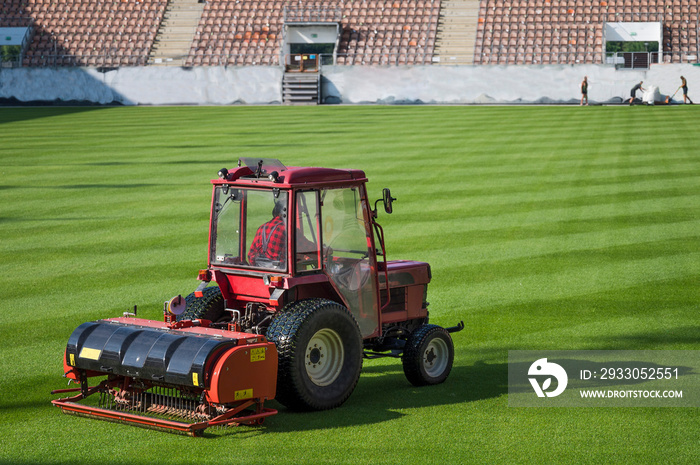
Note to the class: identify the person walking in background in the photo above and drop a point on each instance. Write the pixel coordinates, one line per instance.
(684, 86)
(584, 90)
(633, 92)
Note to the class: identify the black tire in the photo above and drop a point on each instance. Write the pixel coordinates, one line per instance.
(428, 355)
(320, 354)
(208, 307)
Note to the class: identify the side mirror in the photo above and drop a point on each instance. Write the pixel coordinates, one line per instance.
(388, 200)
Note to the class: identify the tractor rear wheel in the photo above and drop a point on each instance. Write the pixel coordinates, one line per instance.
(428, 355)
(320, 354)
(208, 307)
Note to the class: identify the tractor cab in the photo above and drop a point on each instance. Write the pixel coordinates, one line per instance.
(292, 233)
(252, 226)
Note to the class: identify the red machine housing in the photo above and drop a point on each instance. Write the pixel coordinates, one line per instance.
(228, 371)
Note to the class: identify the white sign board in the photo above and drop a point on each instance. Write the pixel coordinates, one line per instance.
(633, 32)
(12, 35)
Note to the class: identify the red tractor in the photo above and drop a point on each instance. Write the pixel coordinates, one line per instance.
(304, 292)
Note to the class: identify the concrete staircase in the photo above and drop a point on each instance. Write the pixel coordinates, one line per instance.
(177, 31)
(456, 34)
(301, 88)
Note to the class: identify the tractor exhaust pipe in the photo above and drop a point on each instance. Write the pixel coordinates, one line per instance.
(456, 329)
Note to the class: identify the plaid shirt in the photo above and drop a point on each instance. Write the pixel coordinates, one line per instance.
(269, 242)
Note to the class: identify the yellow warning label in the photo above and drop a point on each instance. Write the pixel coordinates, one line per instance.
(90, 354)
(195, 379)
(72, 360)
(244, 394)
(257, 355)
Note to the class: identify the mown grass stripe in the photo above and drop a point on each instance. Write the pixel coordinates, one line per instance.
(456, 221)
(493, 251)
(574, 281)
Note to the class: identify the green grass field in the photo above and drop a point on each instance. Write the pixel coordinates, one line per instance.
(546, 227)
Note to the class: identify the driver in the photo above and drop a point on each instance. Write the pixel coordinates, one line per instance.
(269, 246)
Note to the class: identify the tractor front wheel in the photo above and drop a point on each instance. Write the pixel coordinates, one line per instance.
(208, 307)
(320, 354)
(428, 355)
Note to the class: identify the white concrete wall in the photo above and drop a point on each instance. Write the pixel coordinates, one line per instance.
(341, 84)
(151, 85)
(497, 84)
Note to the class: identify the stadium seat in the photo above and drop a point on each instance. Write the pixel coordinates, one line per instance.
(64, 29)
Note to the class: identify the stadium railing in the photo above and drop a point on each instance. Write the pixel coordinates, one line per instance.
(643, 60)
(313, 13)
(621, 60)
(99, 60)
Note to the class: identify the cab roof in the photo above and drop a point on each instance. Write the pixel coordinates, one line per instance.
(269, 172)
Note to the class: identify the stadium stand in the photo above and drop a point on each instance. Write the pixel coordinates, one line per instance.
(248, 32)
(111, 33)
(567, 31)
(105, 33)
(231, 32)
(389, 32)
(238, 33)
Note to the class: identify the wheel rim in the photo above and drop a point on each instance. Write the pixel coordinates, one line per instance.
(324, 357)
(435, 357)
